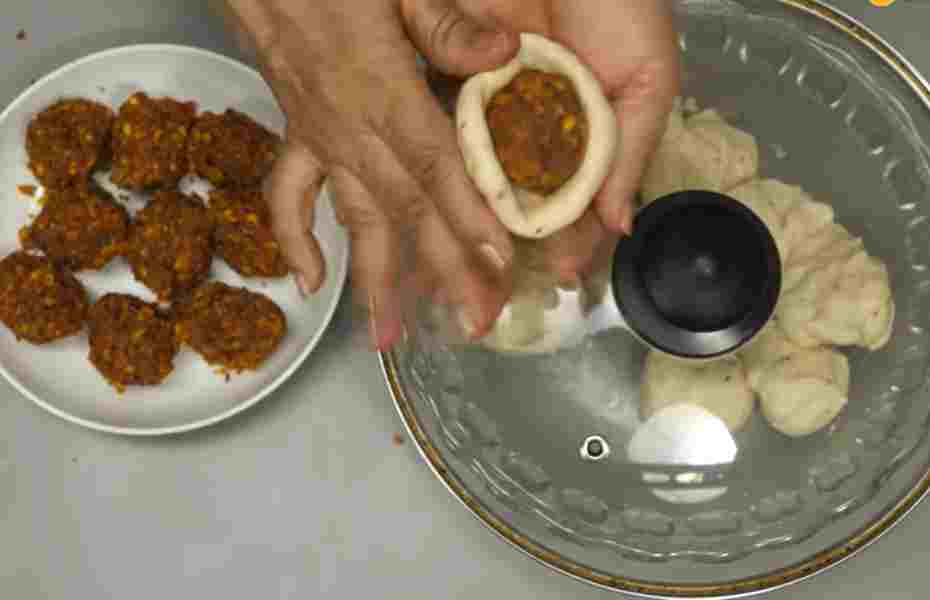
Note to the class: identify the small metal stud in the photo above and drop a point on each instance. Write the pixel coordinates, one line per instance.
(594, 448)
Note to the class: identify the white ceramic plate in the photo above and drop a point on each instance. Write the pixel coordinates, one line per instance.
(58, 376)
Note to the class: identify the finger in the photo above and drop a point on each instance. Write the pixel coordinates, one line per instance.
(421, 281)
(571, 252)
(405, 205)
(427, 148)
(454, 42)
(604, 254)
(291, 190)
(476, 295)
(374, 257)
(641, 108)
(425, 283)
(520, 15)
(253, 24)
(232, 19)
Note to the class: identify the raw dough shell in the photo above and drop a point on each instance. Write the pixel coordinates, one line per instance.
(525, 213)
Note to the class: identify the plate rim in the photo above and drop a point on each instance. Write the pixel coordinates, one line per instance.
(756, 585)
(341, 273)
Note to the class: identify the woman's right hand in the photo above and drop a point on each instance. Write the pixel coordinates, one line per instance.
(360, 113)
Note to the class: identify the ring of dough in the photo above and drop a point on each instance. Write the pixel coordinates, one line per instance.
(566, 204)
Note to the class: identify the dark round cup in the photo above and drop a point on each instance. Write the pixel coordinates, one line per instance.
(699, 277)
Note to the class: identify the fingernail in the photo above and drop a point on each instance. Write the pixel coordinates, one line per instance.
(620, 224)
(494, 257)
(465, 322)
(627, 226)
(302, 285)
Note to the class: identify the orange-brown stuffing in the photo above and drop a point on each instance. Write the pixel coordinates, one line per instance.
(67, 140)
(539, 130)
(243, 233)
(170, 244)
(231, 149)
(231, 328)
(131, 341)
(78, 228)
(150, 141)
(40, 301)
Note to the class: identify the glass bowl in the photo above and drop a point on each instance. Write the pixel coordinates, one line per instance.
(535, 445)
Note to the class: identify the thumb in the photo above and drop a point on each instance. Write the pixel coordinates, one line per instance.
(290, 191)
(642, 111)
(454, 42)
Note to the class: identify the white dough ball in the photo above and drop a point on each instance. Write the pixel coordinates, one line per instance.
(842, 302)
(768, 347)
(735, 151)
(805, 218)
(804, 392)
(768, 215)
(780, 196)
(701, 152)
(773, 200)
(719, 387)
(828, 244)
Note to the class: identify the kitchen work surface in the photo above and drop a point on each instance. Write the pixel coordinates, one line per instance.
(314, 493)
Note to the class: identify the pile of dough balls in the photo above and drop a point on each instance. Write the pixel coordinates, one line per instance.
(834, 294)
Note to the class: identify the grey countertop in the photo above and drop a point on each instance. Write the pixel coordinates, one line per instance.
(308, 495)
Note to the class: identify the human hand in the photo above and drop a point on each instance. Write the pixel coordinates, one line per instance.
(631, 47)
(360, 113)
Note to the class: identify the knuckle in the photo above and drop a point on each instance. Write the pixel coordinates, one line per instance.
(278, 63)
(275, 57)
(571, 265)
(400, 205)
(408, 209)
(291, 239)
(266, 36)
(427, 166)
(358, 219)
(404, 203)
(443, 32)
(379, 123)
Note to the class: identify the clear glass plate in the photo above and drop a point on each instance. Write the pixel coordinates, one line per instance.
(836, 111)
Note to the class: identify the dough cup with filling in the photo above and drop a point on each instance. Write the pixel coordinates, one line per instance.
(524, 212)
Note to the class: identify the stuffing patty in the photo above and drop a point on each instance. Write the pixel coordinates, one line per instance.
(78, 228)
(170, 244)
(131, 341)
(231, 149)
(539, 130)
(150, 142)
(40, 301)
(243, 234)
(232, 328)
(67, 140)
